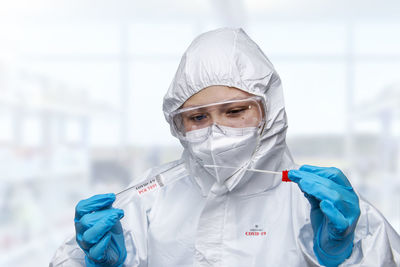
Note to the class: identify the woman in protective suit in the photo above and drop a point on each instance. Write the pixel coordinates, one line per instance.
(210, 208)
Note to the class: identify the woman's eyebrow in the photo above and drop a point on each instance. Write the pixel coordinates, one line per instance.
(201, 109)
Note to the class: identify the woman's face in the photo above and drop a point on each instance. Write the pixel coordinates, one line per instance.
(238, 115)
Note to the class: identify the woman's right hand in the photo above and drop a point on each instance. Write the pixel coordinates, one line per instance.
(99, 232)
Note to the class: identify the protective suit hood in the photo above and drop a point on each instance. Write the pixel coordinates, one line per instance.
(229, 57)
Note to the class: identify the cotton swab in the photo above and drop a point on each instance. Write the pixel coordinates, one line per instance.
(285, 177)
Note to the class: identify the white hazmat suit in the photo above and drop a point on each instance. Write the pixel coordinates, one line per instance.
(178, 215)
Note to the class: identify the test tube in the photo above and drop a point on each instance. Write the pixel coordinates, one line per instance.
(284, 173)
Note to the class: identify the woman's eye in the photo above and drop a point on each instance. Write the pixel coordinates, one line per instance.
(236, 111)
(197, 118)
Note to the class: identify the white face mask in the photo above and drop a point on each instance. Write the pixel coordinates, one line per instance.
(224, 146)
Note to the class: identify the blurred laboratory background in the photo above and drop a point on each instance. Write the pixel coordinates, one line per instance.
(81, 87)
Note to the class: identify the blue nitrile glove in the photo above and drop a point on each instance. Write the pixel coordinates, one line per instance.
(99, 231)
(334, 211)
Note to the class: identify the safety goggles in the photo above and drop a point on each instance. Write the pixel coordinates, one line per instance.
(237, 113)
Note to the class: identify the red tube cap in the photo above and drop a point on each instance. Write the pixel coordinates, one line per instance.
(285, 176)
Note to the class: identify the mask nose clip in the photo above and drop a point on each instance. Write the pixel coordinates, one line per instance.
(217, 126)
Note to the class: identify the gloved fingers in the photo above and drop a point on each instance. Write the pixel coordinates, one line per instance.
(102, 226)
(302, 176)
(318, 187)
(97, 252)
(331, 173)
(94, 203)
(344, 198)
(313, 201)
(337, 222)
(90, 220)
(311, 168)
(296, 176)
(117, 229)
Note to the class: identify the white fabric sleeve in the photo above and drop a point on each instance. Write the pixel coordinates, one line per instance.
(376, 243)
(135, 227)
(68, 254)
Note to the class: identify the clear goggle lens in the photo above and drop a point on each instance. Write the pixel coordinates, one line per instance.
(238, 113)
